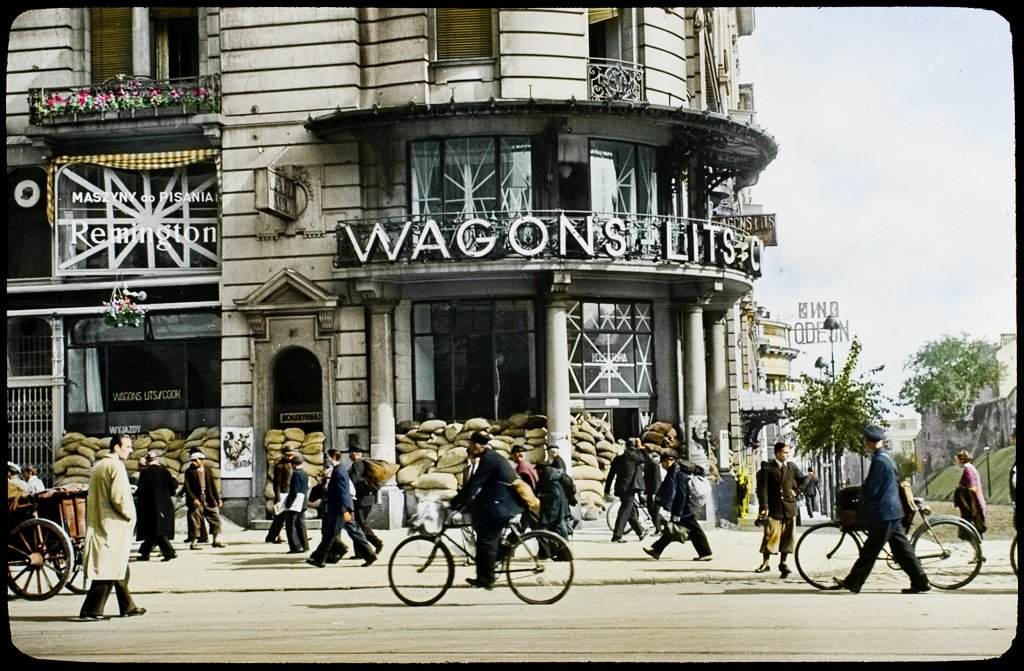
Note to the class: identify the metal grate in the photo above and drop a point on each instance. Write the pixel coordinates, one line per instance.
(30, 428)
(29, 347)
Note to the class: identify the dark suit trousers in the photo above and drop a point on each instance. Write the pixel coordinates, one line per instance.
(99, 591)
(161, 542)
(488, 538)
(627, 513)
(697, 537)
(361, 513)
(275, 527)
(295, 528)
(880, 533)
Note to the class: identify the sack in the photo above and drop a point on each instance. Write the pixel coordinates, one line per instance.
(848, 504)
(907, 502)
(379, 471)
(675, 531)
(698, 490)
(525, 493)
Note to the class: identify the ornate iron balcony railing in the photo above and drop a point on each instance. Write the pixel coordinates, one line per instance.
(612, 79)
(126, 97)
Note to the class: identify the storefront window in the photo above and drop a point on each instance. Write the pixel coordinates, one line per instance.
(133, 379)
(623, 178)
(29, 347)
(474, 359)
(471, 176)
(610, 349)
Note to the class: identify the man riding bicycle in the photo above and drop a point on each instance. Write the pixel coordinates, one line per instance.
(491, 502)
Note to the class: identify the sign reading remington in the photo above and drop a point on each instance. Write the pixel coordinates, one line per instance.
(554, 235)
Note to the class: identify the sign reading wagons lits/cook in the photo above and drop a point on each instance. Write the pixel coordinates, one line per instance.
(549, 235)
(812, 327)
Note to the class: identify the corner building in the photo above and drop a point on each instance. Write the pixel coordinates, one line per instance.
(418, 212)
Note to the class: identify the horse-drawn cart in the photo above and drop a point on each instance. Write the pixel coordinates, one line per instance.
(44, 542)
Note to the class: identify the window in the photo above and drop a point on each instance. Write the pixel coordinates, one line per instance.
(172, 33)
(474, 359)
(623, 178)
(610, 349)
(604, 32)
(29, 347)
(471, 176)
(463, 33)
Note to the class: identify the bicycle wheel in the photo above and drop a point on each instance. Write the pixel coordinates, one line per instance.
(77, 583)
(612, 513)
(539, 567)
(39, 559)
(826, 553)
(1013, 555)
(949, 552)
(421, 570)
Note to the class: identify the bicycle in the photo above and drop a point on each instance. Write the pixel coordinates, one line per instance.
(643, 514)
(949, 549)
(538, 565)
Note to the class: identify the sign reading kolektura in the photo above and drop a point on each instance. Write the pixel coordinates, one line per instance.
(666, 239)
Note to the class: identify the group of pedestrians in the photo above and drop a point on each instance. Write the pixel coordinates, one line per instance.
(348, 498)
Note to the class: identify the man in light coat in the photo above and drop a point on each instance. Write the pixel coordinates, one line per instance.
(109, 523)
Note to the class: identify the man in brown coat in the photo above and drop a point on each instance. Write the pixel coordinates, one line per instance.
(202, 498)
(778, 487)
(109, 523)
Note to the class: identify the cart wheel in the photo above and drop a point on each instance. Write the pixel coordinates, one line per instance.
(39, 559)
(77, 582)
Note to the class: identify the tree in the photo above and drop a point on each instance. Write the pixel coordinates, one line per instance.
(948, 375)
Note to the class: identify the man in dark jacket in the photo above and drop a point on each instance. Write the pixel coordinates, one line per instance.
(366, 494)
(652, 482)
(281, 482)
(155, 508)
(294, 508)
(626, 479)
(674, 497)
(491, 502)
(881, 510)
(777, 491)
(338, 514)
(202, 498)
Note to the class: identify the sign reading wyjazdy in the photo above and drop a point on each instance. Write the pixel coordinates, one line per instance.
(555, 235)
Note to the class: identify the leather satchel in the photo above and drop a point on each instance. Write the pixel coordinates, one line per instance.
(675, 531)
(526, 495)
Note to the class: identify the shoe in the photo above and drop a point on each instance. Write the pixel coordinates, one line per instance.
(763, 568)
(194, 546)
(377, 544)
(273, 540)
(370, 560)
(296, 552)
(916, 590)
(652, 553)
(474, 582)
(170, 557)
(704, 558)
(218, 544)
(141, 558)
(318, 564)
(784, 572)
(93, 616)
(134, 612)
(642, 535)
(842, 584)
(618, 540)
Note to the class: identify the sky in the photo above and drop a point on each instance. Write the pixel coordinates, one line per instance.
(894, 185)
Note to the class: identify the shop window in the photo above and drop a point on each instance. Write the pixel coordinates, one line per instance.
(611, 349)
(623, 178)
(463, 33)
(29, 347)
(173, 35)
(474, 359)
(471, 176)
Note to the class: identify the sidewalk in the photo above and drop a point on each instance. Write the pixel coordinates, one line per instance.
(250, 564)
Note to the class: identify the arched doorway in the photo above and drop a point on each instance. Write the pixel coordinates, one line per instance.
(298, 391)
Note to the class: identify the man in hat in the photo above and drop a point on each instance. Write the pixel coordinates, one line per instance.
(281, 482)
(554, 459)
(338, 514)
(491, 503)
(673, 496)
(881, 510)
(155, 497)
(626, 480)
(202, 498)
(366, 493)
(524, 468)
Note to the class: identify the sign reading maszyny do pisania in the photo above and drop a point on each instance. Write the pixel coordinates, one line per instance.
(668, 239)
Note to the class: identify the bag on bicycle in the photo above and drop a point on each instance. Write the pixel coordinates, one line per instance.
(525, 494)
(848, 505)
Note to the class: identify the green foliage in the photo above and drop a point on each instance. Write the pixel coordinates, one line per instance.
(943, 482)
(948, 374)
(907, 463)
(836, 411)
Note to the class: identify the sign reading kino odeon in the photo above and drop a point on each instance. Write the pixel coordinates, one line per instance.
(551, 235)
(109, 219)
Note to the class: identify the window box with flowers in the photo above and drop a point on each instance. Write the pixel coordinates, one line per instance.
(121, 310)
(126, 97)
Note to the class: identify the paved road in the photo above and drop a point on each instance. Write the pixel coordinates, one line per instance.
(261, 601)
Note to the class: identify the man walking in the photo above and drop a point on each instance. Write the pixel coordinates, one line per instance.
(109, 522)
(777, 492)
(281, 482)
(881, 510)
(366, 494)
(294, 508)
(338, 514)
(155, 495)
(811, 492)
(491, 502)
(626, 479)
(674, 497)
(202, 498)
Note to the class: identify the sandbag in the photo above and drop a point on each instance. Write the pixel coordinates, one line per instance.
(407, 474)
(452, 457)
(435, 480)
(432, 425)
(406, 458)
(71, 437)
(586, 472)
(293, 433)
(476, 424)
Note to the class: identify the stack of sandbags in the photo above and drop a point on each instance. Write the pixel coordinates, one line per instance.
(593, 448)
(78, 453)
(75, 458)
(660, 436)
(309, 445)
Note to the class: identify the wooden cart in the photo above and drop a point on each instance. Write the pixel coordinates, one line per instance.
(44, 542)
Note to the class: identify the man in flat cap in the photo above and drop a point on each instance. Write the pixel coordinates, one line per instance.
(202, 498)
(524, 468)
(366, 493)
(881, 510)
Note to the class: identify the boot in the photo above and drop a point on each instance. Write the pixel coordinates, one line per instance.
(215, 543)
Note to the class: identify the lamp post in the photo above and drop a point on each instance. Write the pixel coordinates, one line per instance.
(832, 325)
(988, 471)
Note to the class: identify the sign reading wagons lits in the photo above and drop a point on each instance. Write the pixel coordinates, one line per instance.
(549, 235)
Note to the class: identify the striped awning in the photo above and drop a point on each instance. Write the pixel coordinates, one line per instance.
(144, 161)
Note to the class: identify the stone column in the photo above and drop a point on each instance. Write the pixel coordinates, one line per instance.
(557, 368)
(695, 370)
(718, 385)
(382, 402)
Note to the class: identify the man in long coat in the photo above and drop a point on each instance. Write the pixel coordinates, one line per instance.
(202, 498)
(155, 497)
(626, 479)
(109, 523)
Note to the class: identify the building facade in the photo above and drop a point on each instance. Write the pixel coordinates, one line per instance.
(347, 217)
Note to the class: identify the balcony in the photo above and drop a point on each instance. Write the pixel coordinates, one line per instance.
(616, 80)
(125, 97)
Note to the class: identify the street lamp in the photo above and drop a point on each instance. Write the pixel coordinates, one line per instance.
(832, 325)
(988, 471)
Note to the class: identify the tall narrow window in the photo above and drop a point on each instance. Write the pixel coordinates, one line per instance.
(624, 178)
(111, 38)
(463, 33)
(175, 42)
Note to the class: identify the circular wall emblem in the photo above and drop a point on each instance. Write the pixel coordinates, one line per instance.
(26, 193)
